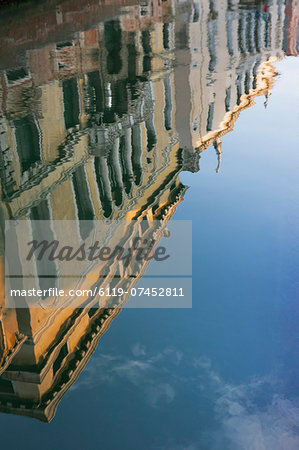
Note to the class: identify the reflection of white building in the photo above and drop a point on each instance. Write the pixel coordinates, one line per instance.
(228, 42)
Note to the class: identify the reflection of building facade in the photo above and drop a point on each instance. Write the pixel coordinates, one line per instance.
(92, 127)
(228, 43)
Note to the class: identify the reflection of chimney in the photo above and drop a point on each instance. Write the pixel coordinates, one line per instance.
(217, 146)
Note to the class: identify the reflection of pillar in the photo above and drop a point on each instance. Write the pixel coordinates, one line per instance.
(217, 147)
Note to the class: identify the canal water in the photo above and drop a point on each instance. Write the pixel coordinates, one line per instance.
(173, 111)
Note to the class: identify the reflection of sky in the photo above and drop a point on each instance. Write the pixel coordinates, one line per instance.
(223, 375)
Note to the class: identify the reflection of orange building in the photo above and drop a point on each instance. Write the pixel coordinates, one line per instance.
(90, 158)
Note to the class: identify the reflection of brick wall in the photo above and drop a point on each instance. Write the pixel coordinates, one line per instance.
(53, 25)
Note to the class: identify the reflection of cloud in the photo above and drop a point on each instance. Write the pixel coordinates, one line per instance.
(143, 370)
(157, 393)
(252, 416)
(138, 350)
(274, 427)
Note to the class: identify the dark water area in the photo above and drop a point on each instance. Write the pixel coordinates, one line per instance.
(166, 111)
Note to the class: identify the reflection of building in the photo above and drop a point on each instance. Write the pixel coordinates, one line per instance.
(74, 151)
(99, 125)
(229, 44)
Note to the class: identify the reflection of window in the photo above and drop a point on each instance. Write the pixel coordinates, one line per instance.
(28, 142)
(196, 12)
(96, 91)
(83, 201)
(168, 103)
(71, 102)
(63, 44)
(229, 32)
(166, 36)
(228, 98)
(212, 36)
(146, 45)
(58, 361)
(239, 91)
(247, 83)
(84, 205)
(16, 75)
(210, 117)
(112, 35)
(6, 386)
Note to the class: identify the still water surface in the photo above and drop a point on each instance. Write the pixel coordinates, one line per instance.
(112, 114)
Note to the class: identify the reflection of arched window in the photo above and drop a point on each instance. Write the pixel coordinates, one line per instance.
(27, 142)
(112, 35)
